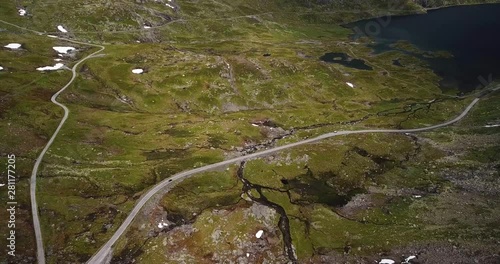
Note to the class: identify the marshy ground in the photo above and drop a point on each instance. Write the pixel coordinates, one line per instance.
(222, 79)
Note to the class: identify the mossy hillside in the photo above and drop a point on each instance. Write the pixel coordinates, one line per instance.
(294, 211)
(122, 145)
(218, 236)
(215, 227)
(486, 113)
(24, 240)
(28, 119)
(110, 145)
(212, 96)
(27, 91)
(343, 156)
(396, 222)
(147, 140)
(218, 189)
(95, 16)
(122, 15)
(191, 133)
(394, 219)
(329, 231)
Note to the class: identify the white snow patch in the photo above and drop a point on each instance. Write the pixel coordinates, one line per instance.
(63, 50)
(255, 125)
(50, 68)
(497, 125)
(407, 260)
(51, 36)
(62, 29)
(13, 46)
(147, 27)
(387, 261)
(137, 71)
(170, 6)
(417, 196)
(57, 59)
(259, 233)
(2, 184)
(162, 224)
(350, 84)
(1, 68)
(22, 12)
(248, 255)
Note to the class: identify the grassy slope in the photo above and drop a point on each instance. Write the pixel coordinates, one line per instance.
(128, 131)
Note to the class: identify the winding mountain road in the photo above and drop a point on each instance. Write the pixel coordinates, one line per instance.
(104, 254)
(34, 207)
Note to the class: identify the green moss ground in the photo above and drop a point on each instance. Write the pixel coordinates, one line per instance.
(127, 132)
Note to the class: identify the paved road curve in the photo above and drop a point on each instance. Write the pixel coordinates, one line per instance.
(40, 252)
(104, 254)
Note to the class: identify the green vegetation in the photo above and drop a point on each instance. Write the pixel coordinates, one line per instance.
(206, 82)
(216, 189)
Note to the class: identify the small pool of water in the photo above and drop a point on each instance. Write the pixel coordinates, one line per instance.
(345, 60)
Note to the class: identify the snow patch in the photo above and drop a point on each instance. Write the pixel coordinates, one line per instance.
(13, 46)
(259, 234)
(57, 59)
(51, 68)
(22, 12)
(162, 224)
(51, 36)
(147, 27)
(1, 68)
(387, 261)
(170, 6)
(497, 125)
(62, 29)
(138, 71)
(63, 50)
(248, 255)
(350, 84)
(407, 260)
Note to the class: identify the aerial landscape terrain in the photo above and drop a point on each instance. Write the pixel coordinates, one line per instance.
(238, 131)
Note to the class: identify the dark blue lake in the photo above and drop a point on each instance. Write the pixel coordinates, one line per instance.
(470, 33)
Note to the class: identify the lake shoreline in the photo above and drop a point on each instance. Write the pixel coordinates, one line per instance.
(473, 63)
(456, 5)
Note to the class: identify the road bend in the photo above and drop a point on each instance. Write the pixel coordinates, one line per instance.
(40, 252)
(104, 254)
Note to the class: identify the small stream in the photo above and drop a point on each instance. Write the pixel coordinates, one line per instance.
(284, 221)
